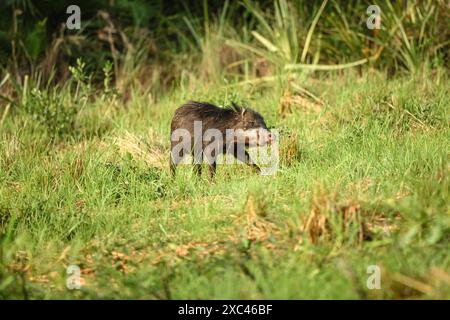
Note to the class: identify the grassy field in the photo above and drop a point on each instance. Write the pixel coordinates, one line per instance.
(363, 180)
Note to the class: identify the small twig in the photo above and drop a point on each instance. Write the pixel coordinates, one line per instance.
(308, 93)
(413, 283)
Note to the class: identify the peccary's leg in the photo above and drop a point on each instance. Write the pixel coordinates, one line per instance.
(197, 158)
(198, 169)
(175, 158)
(212, 169)
(173, 166)
(211, 159)
(243, 156)
(198, 166)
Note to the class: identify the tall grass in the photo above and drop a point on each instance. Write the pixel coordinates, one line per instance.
(214, 41)
(363, 180)
(363, 177)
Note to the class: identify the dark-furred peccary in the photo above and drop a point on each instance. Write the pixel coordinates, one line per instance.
(205, 130)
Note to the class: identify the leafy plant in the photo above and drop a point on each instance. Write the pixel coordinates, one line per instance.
(109, 91)
(50, 111)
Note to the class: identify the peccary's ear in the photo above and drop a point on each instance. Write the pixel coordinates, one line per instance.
(243, 111)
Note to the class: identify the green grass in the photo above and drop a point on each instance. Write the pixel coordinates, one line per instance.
(369, 169)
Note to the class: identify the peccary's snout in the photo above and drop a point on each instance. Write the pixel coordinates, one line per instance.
(259, 137)
(265, 137)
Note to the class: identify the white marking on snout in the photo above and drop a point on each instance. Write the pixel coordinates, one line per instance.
(258, 137)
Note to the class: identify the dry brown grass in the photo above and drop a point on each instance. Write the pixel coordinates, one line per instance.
(254, 222)
(150, 150)
(434, 284)
(289, 149)
(296, 97)
(328, 218)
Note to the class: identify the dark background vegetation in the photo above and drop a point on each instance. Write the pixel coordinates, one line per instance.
(168, 33)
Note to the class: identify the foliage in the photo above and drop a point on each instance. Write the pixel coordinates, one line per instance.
(84, 142)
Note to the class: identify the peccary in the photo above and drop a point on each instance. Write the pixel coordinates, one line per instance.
(205, 130)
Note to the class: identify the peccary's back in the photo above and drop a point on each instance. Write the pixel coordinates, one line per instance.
(209, 115)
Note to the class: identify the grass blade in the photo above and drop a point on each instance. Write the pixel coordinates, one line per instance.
(311, 31)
